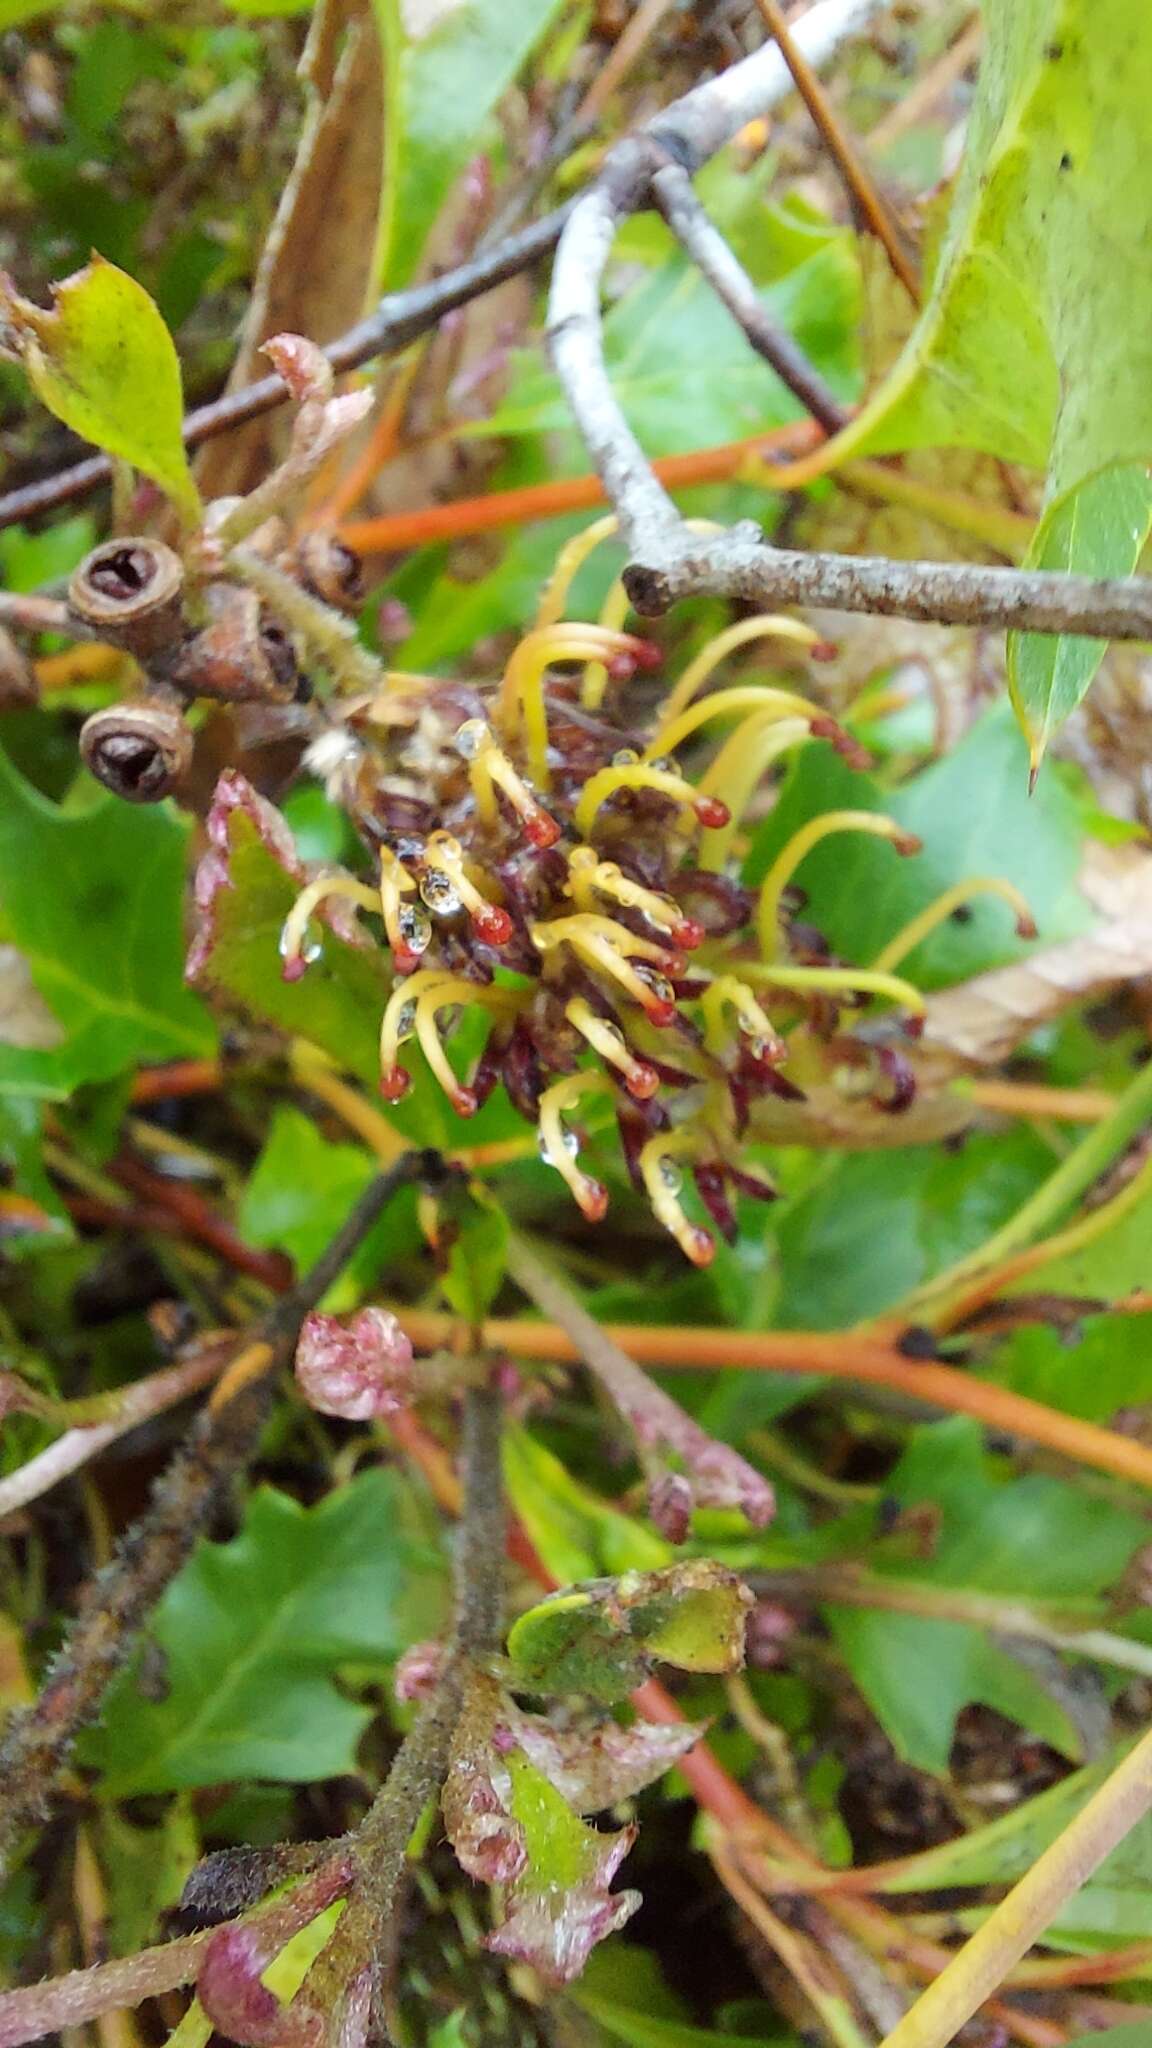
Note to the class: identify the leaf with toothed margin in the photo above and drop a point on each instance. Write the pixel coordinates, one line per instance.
(336, 1004)
(102, 359)
(603, 1637)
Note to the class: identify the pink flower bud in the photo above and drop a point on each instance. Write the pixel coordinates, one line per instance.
(418, 1671)
(357, 1370)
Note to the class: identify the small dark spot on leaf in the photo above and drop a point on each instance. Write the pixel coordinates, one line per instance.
(1053, 52)
(1066, 161)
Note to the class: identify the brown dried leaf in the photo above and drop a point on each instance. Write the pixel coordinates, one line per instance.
(983, 1020)
(315, 273)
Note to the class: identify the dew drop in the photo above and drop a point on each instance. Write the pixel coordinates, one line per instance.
(470, 737)
(671, 1178)
(571, 1147)
(626, 757)
(415, 929)
(439, 893)
(406, 1023)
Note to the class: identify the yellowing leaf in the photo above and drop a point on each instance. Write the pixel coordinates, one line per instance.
(103, 361)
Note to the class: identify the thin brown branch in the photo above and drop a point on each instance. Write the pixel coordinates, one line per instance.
(854, 172)
(673, 193)
(38, 1740)
(398, 320)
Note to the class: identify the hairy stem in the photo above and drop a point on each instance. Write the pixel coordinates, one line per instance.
(38, 1740)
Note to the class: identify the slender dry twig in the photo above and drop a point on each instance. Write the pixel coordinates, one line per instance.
(65, 2002)
(1031, 1906)
(670, 561)
(398, 320)
(674, 195)
(39, 1739)
(859, 182)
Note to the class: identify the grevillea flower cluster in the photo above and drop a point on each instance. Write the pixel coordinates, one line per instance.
(559, 850)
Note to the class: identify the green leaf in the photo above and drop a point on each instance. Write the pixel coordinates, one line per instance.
(477, 1262)
(300, 1191)
(975, 818)
(252, 1633)
(1032, 1538)
(576, 1533)
(442, 82)
(1034, 341)
(1133, 2036)
(93, 899)
(1108, 1367)
(601, 1638)
(640, 2030)
(658, 334)
(338, 1003)
(1096, 529)
(1033, 344)
(103, 361)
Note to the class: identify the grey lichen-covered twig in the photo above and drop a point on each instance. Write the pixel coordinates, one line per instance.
(669, 560)
(38, 1739)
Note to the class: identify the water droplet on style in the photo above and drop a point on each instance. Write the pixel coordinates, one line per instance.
(671, 1178)
(470, 737)
(405, 1023)
(571, 1147)
(415, 929)
(627, 757)
(439, 893)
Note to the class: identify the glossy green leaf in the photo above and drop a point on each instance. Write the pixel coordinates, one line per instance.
(93, 900)
(448, 63)
(640, 2030)
(1107, 1367)
(252, 1633)
(1096, 529)
(103, 361)
(603, 1637)
(974, 816)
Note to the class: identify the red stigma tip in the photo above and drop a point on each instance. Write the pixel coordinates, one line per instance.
(464, 1102)
(823, 650)
(659, 1012)
(541, 830)
(689, 934)
(701, 1247)
(1026, 928)
(913, 1027)
(395, 1085)
(294, 968)
(712, 813)
(594, 1200)
(674, 965)
(621, 667)
(647, 655)
(642, 1081)
(404, 960)
(907, 842)
(493, 926)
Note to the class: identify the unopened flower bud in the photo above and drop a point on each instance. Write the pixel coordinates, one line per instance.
(358, 1370)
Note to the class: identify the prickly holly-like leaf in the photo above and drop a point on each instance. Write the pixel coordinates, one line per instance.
(252, 1633)
(245, 887)
(93, 901)
(596, 1763)
(103, 361)
(1034, 342)
(447, 66)
(602, 1638)
(509, 1825)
